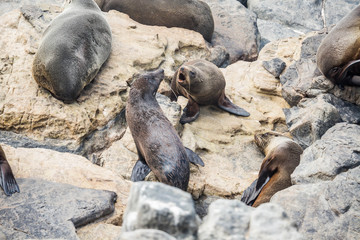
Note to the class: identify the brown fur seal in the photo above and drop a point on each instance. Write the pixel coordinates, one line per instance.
(282, 156)
(7, 179)
(338, 56)
(73, 48)
(202, 83)
(190, 14)
(159, 147)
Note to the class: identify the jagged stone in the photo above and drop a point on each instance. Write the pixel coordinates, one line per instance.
(274, 66)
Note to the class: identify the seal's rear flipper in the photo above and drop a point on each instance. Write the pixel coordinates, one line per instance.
(193, 157)
(7, 180)
(349, 74)
(225, 104)
(191, 112)
(140, 171)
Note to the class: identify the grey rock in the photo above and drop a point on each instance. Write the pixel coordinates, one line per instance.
(153, 205)
(337, 151)
(172, 110)
(326, 210)
(51, 210)
(9, 5)
(274, 66)
(146, 234)
(202, 204)
(219, 56)
(235, 29)
(243, 2)
(233, 220)
(335, 10)
(311, 119)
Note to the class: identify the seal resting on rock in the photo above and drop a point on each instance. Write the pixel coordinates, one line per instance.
(338, 56)
(158, 145)
(202, 83)
(72, 50)
(7, 179)
(190, 14)
(282, 156)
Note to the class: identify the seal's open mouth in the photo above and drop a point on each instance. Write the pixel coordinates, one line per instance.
(181, 78)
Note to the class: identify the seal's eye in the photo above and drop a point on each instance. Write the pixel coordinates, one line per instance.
(192, 74)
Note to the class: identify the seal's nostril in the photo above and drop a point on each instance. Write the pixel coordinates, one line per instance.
(182, 69)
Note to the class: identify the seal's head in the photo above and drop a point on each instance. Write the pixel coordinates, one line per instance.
(148, 83)
(266, 141)
(189, 78)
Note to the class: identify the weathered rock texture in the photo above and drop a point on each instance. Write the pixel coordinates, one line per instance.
(146, 234)
(235, 29)
(51, 210)
(232, 219)
(162, 207)
(337, 151)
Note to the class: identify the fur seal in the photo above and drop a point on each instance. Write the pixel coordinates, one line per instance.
(190, 14)
(7, 179)
(202, 83)
(158, 145)
(338, 56)
(72, 50)
(282, 156)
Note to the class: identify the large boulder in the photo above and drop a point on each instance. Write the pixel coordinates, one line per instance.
(51, 210)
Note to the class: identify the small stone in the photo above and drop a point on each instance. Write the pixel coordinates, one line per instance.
(146, 234)
(275, 66)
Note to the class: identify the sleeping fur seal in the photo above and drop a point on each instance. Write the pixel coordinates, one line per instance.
(190, 14)
(338, 56)
(282, 157)
(202, 83)
(158, 145)
(72, 50)
(7, 179)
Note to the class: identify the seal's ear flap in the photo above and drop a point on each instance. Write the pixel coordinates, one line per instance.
(225, 104)
(7, 179)
(140, 171)
(193, 157)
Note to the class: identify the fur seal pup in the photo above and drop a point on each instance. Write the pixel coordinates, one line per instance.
(72, 50)
(282, 157)
(338, 56)
(158, 145)
(190, 14)
(7, 179)
(202, 83)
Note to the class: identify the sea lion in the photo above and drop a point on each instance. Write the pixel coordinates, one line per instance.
(190, 14)
(338, 56)
(282, 156)
(158, 145)
(72, 50)
(7, 179)
(202, 83)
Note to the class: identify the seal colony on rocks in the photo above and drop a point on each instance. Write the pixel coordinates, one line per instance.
(158, 145)
(7, 179)
(202, 83)
(282, 156)
(338, 56)
(72, 50)
(190, 14)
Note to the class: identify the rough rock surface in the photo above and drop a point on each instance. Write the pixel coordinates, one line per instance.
(158, 206)
(337, 151)
(145, 234)
(274, 66)
(99, 231)
(235, 29)
(70, 169)
(325, 210)
(232, 219)
(51, 210)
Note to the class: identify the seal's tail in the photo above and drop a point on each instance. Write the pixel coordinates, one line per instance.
(7, 180)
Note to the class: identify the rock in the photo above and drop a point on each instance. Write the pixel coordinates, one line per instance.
(219, 56)
(232, 219)
(53, 210)
(324, 210)
(334, 11)
(146, 234)
(243, 2)
(337, 151)
(98, 231)
(68, 168)
(40, 116)
(311, 119)
(53, 5)
(158, 206)
(202, 204)
(235, 29)
(274, 66)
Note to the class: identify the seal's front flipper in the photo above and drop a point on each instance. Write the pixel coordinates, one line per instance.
(225, 104)
(349, 74)
(193, 157)
(7, 179)
(191, 112)
(140, 171)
